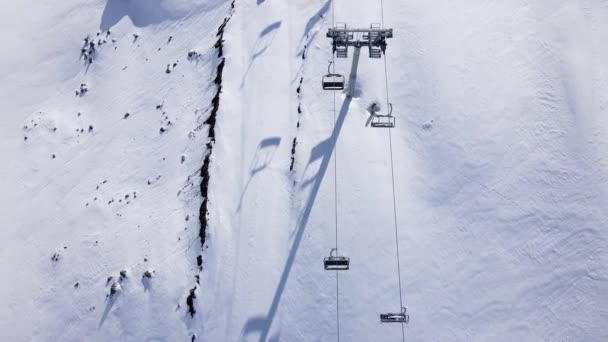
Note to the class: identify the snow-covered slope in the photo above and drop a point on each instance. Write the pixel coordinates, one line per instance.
(104, 190)
(499, 153)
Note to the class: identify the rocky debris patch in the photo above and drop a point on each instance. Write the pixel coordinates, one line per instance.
(190, 302)
(84, 88)
(91, 45)
(171, 66)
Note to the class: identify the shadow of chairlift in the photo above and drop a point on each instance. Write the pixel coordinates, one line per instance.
(335, 262)
(332, 81)
(383, 121)
(402, 317)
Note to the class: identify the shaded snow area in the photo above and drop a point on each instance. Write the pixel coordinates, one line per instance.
(173, 171)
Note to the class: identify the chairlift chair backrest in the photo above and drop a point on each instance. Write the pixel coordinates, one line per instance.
(375, 52)
(402, 317)
(336, 263)
(333, 82)
(383, 121)
(341, 51)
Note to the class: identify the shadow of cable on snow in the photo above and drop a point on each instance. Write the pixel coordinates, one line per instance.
(323, 151)
(262, 158)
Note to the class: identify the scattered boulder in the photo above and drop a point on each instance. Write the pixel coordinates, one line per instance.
(114, 290)
(56, 257)
(428, 126)
(190, 302)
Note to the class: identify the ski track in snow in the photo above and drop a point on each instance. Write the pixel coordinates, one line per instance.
(500, 168)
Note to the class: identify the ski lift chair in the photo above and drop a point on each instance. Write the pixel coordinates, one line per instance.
(340, 42)
(402, 317)
(375, 52)
(384, 121)
(375, 49)
(332, 81)
(341, 51)
(336, 263)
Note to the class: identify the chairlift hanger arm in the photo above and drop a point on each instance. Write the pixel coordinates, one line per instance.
(329, 68)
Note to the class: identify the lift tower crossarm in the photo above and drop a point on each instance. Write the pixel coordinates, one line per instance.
(388, 33)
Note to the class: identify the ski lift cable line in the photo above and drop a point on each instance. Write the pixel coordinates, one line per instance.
(333, 59)
(390, 140)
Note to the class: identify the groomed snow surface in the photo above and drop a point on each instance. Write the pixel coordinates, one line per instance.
(500, 164)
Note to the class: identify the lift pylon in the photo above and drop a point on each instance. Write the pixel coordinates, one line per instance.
(352, 78)
(373, 37)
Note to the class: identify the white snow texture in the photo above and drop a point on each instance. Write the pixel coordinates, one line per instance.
(500, 160)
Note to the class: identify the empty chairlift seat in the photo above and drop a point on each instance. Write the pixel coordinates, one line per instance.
(383, 121)
(336, 263)
(375, 49)
(401, 317)
(332, 81)
(341, 51)
(375, 52)
(341, 40)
